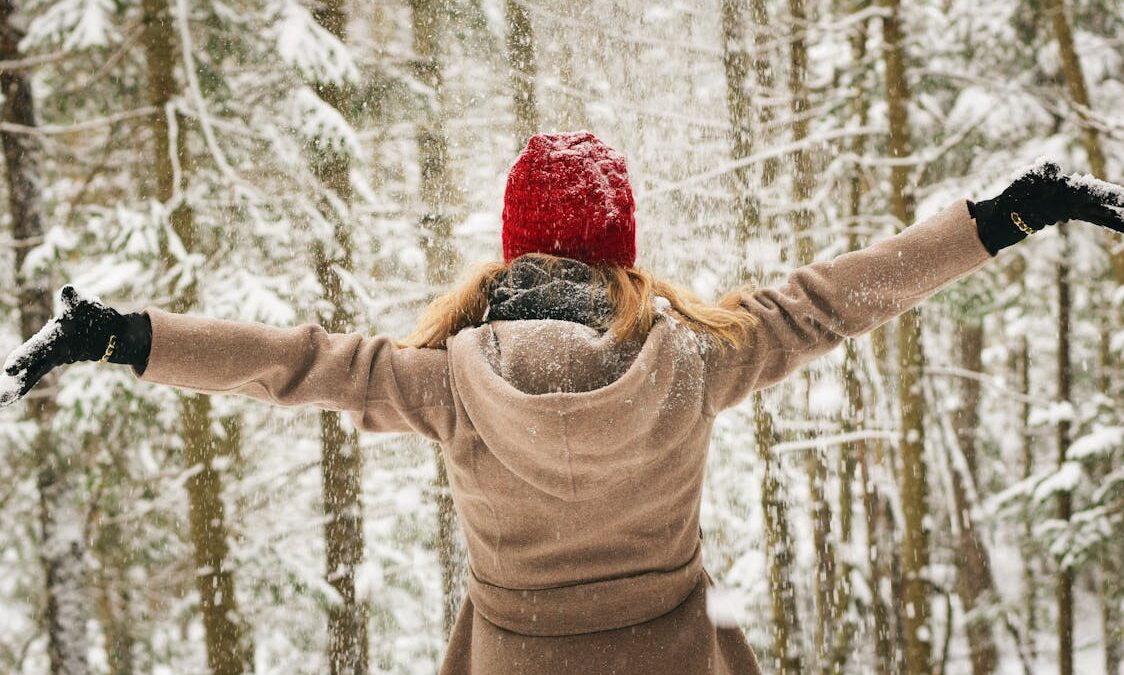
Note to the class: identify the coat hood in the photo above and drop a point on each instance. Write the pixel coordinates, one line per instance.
(565, 408)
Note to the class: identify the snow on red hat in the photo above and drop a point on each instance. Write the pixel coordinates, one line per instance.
(568, 195)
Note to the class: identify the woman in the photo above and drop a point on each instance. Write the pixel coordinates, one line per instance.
(573, 397)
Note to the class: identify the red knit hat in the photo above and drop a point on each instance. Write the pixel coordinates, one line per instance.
(568, 195)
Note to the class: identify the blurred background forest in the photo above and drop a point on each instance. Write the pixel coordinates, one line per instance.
(945, 495)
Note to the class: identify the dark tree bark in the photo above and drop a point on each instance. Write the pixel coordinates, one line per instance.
(974, 582)
(1018, 364)
(827, 591)
(1090, 139)
(228, 650)
(737, 65)
(341, 461)
(1065, 575)
(778, 545)
(114, 592)
(879, 545)
(1112, 616)
(63, 546)
(914, 480)
(1079, 93)
(442, 261)
(779, 548)
(521, 56)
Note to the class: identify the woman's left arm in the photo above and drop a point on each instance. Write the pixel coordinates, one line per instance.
(822, 303)
(825, 302)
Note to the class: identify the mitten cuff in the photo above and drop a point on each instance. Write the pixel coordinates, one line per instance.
(996, 231)
(134, 341)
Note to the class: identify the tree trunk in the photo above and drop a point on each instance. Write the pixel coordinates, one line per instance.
(763, 73)
(1112, 618)
(857, 455)
(1075, 81)
(879, 528)
(341, 465)
(1030, 576)
(437, 189)
(225, 653)
(779, 548)
(1018, 364)
(521, 57)
(63, 545)
(1090, 138)
(227, 649)
(1065, 577)
(914, 480)
(826, 587)
(573, 114)
(1079, 93)
(974, 580)
(341, 462)
(740, 109)
(115, 596)
(442, 261)
(778, 540)
(1111, 557)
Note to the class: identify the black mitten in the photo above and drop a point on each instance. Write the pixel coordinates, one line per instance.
(86, 330)
(1042, 196)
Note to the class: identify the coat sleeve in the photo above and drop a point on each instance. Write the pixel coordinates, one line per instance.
(384, 387)
(822, 303)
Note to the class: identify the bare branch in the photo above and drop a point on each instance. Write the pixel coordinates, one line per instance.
(77, 127)
(29, 62)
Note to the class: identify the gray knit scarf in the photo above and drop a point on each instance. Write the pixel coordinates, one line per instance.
(527, 290)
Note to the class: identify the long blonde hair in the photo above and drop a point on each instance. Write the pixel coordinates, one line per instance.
(631, 293)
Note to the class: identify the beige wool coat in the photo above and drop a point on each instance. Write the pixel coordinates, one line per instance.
(576, 467)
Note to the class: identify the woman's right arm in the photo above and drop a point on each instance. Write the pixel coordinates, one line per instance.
(384, 387)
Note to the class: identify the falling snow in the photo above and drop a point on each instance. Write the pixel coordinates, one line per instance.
(372, 154)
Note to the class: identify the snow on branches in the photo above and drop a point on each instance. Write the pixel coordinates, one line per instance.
(77, 24)
(305, 45)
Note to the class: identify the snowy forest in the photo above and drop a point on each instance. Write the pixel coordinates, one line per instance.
(945, 495)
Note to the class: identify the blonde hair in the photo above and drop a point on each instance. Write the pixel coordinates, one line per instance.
(631, 293)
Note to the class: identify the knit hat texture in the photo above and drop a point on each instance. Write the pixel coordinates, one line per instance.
(568, 195)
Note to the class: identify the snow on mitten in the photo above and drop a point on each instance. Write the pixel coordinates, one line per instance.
(86, 330)
(1041, 196)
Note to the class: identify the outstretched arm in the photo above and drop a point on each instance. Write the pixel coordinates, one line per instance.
(384, 387)
(387, 388)
(825, 302)
(822, 303)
